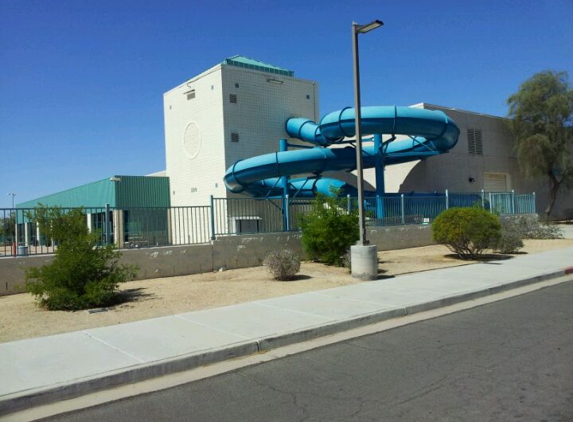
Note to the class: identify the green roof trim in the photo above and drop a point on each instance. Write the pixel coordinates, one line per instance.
(117, 191)
(242, 61)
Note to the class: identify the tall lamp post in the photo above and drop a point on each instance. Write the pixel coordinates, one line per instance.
(363, 256)
(12, 195)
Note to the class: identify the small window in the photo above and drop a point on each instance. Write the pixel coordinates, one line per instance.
(190, 94)
(234, 137)
(307, 97)
(236, 85)
(233, 98)
(475, 142)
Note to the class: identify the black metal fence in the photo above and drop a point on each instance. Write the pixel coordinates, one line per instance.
(145, 227)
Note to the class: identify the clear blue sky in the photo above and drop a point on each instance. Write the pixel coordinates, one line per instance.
(81, 82)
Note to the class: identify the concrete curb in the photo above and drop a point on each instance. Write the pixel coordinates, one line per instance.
(42, 396)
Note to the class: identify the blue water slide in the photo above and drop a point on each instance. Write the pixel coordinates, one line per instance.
(429, 133)
(302, 187)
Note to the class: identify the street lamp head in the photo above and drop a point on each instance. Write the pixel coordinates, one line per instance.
(363, 29)
(12, 195)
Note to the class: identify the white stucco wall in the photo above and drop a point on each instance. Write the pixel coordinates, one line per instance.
(194, 140)
(262, 109)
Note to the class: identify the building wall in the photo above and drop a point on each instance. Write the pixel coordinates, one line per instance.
(262, 109)
(462, 171)
(194, 139)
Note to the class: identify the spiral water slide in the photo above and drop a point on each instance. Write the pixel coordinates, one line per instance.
(426, 133)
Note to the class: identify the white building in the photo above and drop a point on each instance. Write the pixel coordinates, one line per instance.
(232, 111)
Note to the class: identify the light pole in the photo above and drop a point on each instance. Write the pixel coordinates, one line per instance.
(360, 29)
(13, 195)
(363, 257)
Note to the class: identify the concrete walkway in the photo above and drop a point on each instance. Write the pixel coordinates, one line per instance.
(48, 369)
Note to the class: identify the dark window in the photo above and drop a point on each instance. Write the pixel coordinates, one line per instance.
(234, 137)
(233, 98)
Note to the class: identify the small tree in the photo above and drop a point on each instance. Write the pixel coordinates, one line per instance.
(467, 231)
(82, 274)
(7, 227)
(542, 122)
(329, 230)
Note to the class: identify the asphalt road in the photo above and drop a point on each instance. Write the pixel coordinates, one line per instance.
(507, 361)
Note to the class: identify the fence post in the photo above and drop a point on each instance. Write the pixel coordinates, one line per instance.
(534, 204)
(212, 217)
(107, 227)
(15, 236)
(402, 208)
(348, 205)
(483, 199)
(447, 200)
(287, 214)
(513, 201)
(491, 207)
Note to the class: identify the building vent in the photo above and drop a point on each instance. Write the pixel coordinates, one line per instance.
(234, 137)
(495, 182)
(190, 94)
(475, 142)
(233, 98)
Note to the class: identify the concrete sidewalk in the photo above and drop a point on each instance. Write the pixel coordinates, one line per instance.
(48, 369)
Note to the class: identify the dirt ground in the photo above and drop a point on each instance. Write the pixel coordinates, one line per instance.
(20, 318)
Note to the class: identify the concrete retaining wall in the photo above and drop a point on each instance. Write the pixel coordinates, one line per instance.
(227, 252)
(400, 237)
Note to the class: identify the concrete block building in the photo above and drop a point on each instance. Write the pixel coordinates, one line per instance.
(235, 110)
(483, 159)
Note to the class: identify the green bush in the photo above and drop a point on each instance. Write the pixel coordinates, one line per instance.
(329, 230)
(282, 265)
(82, 274)
(467, 231)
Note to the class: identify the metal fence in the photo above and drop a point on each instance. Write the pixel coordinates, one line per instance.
(21, 235)
(146, 227)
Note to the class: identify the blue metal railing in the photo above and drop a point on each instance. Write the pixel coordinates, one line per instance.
(146, 227)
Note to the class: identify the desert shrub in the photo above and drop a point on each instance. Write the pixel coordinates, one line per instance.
(282, 265)
(529, 227)
(510, 241)
(534, 229)
(467, 231)
(82, 274)
(329, 230)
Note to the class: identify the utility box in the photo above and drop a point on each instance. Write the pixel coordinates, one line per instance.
(246, 225)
